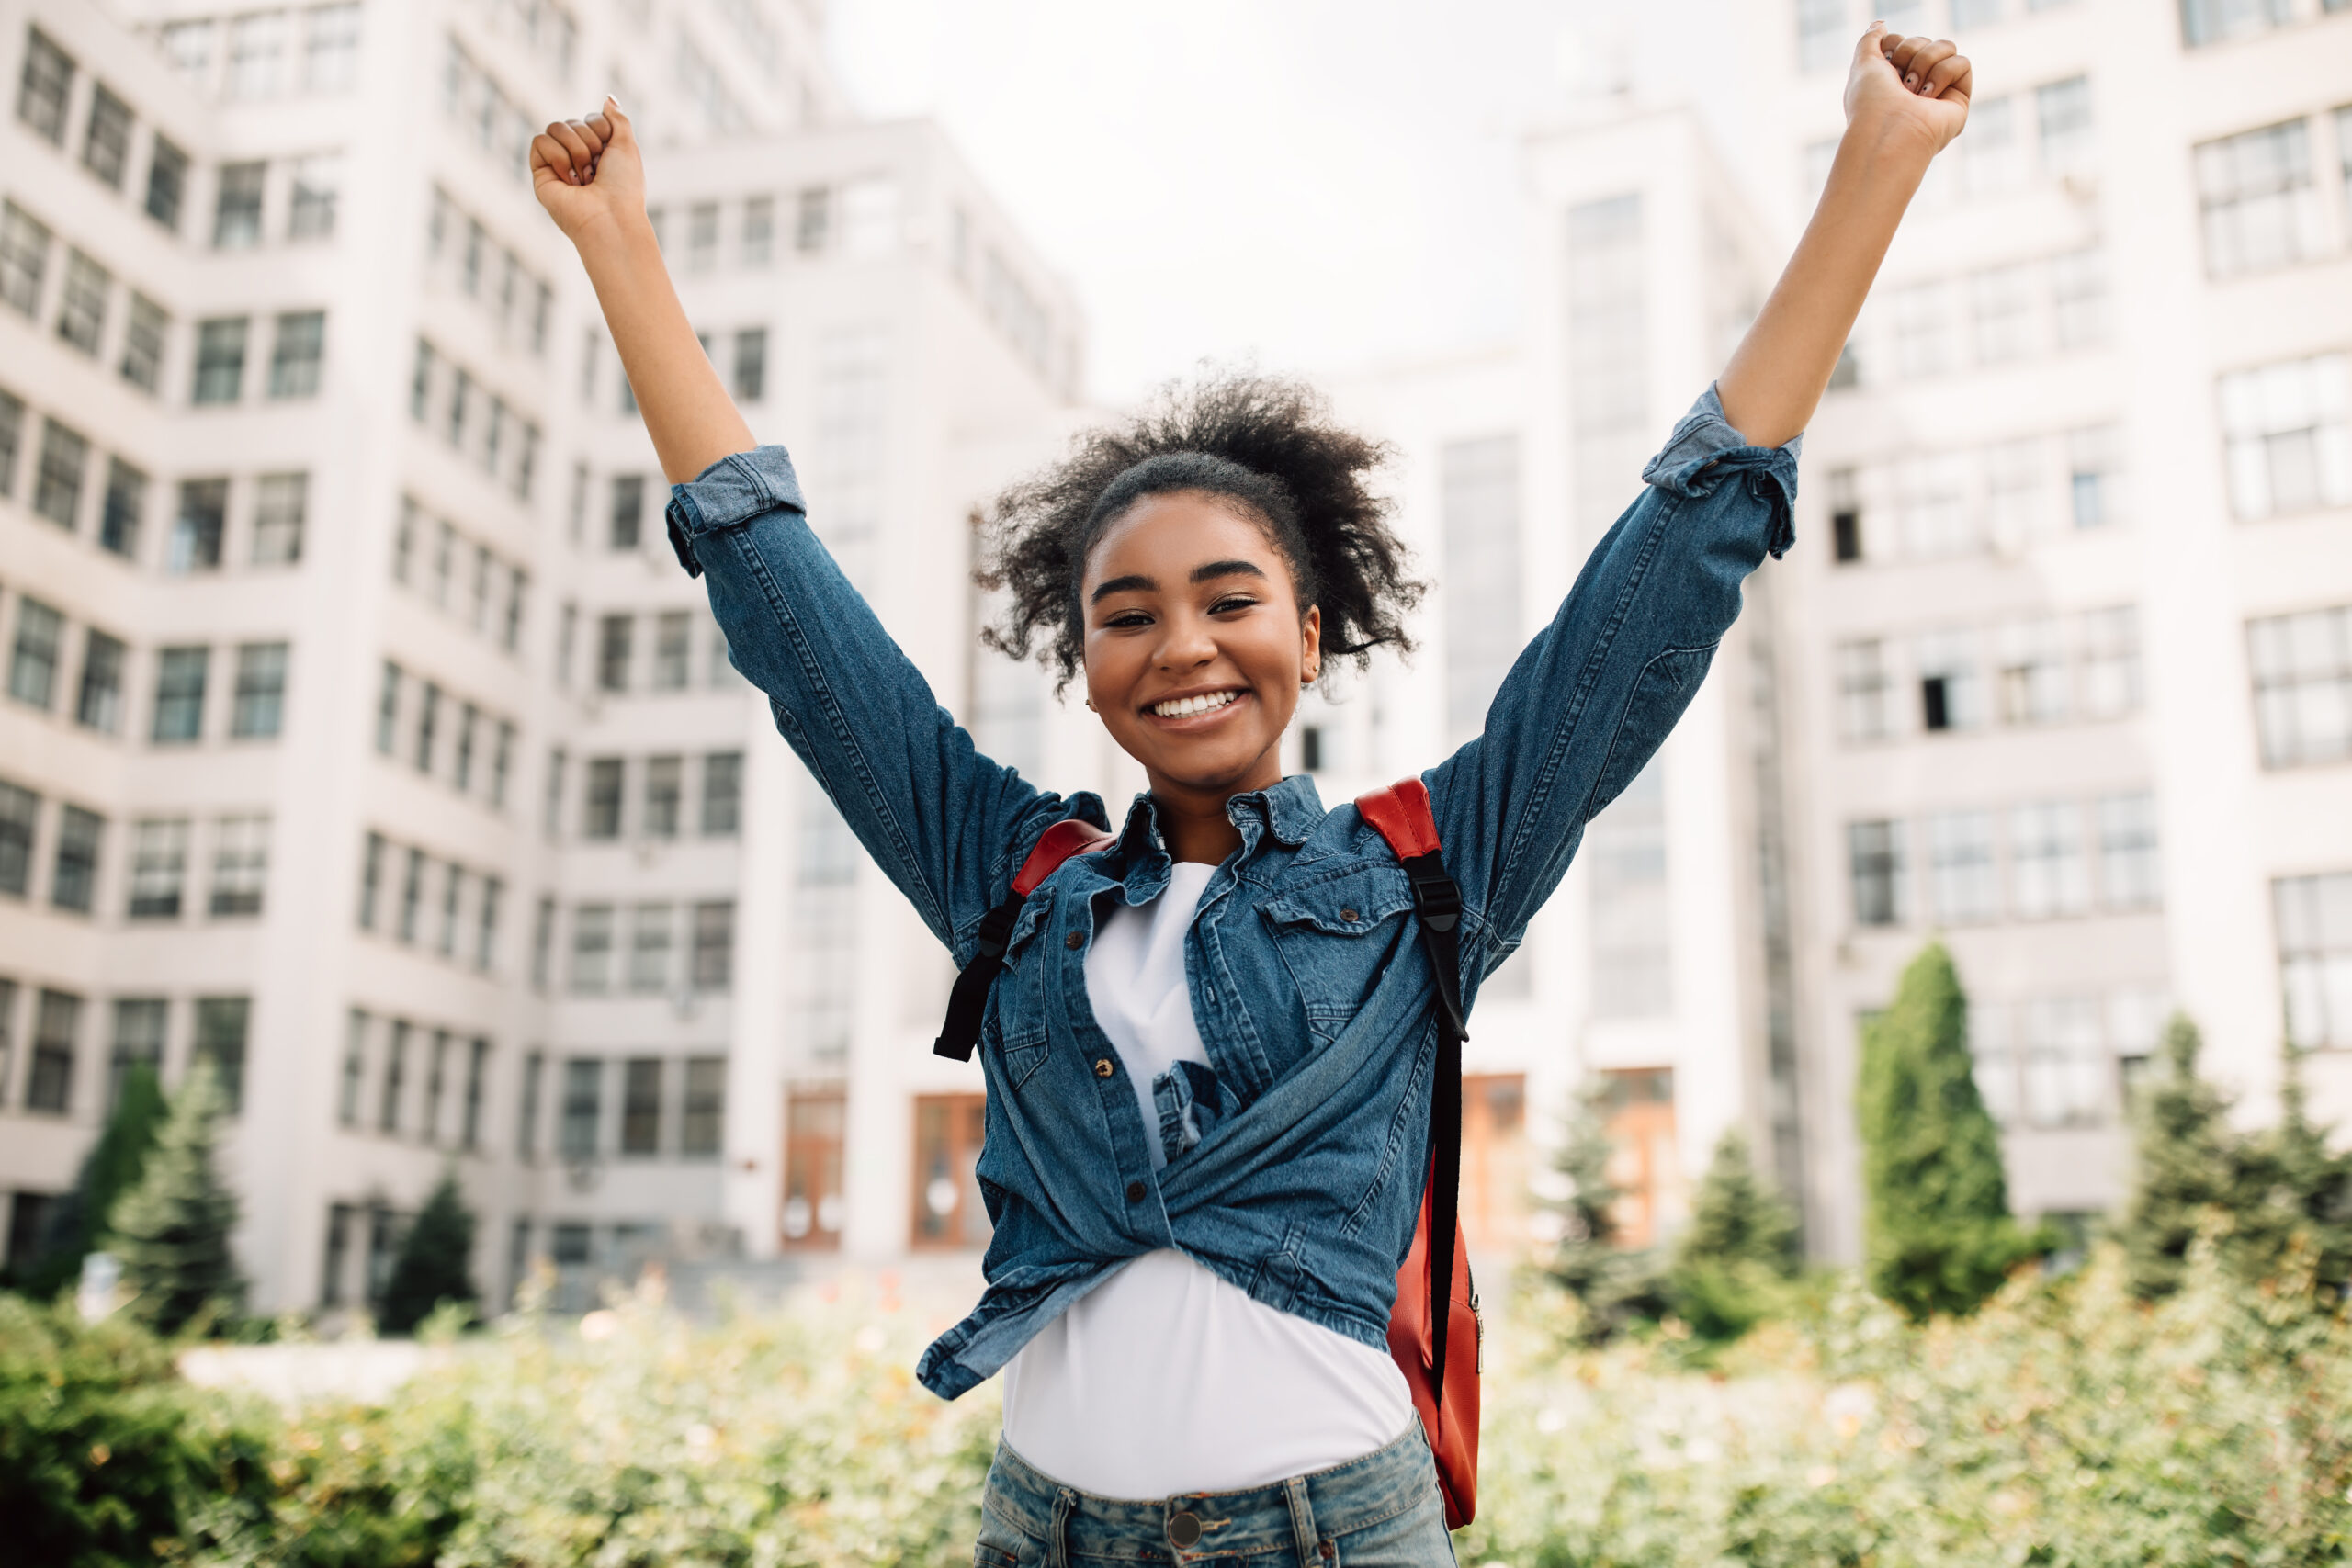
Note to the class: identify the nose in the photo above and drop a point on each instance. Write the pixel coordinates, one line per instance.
(1185, 643)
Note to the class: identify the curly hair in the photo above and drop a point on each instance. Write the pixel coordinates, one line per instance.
(1268, 444)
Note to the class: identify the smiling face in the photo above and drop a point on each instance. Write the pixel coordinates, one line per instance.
(1195, 645)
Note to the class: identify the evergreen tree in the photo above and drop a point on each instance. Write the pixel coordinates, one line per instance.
(2298, 1195)
(172, 1229)
(435, 1261)
(1737, 1251)
(2188, 1162)
(1938, 1234)
(78, 1225)
(1616, 1287)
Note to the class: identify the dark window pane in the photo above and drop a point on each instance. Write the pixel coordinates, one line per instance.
(57, 1028)
(126, 503)
(641, 1106)
(105, 139)
(259, 706)
(704, 1117)
(221, 1040)
(236, 214)
(219, 360)
(57, 483)
(166, 184)
(99, 703)
(297, 354)
(44, 89)
(179, 693)
(74, 883)
(603, 819)
(20, 815)
(722, 793)
(32, 661)
(628, 513)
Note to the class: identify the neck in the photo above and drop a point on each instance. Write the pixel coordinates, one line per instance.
(1192, 821)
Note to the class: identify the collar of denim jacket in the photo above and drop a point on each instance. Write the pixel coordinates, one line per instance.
(1291, 810)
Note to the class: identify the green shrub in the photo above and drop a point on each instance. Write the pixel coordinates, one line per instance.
(1734, 1261)
(435, 1267)
(172, 1228)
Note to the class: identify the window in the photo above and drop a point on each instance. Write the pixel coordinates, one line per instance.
(388, 708)
(462, 773)
(702, 236)
(98, 705)
(1865, 693)
(435, 1076)
(501, 765)
(627, 517)
(1630, 906)
(2110, 672)
(258, 709)
(2314, 915)
(24, 258)
(1923, 341)
(714, 951)
(672, 634)
(57, 482)
(74, 878)
(641, 1105)
(57, 1027)
(371, 880)
(2212, 21)
(420, 382)
(613, 653)
(664, 793)
(32, 664)
(2302, 686)
(461, 388)
(296, 355)
(311, 214)
(331, 47)
(2093, 490)
(2128, 877)
(390, 1102)
(12, 432)
(236, 207)
(138, 1024)
(2047, 869)
(1478, 510)
(453, 893)
(1949, 696)
(591, 948)
(412, 895)
(527, 1114)
(354, 1067)
(219, 360)
(279, 503)
(2259, 205)
(2033, 673)
(722, 793)
(2064, 109)
(583, 1088)
(1994, 162)
(2067, 1067)
(125, 504)
(2001, 314)
(158, 868)
(82, 304)
(812, 218)
(239, 864)
(428, 724)
(750, 365)
(603, 818)
(510, 635)
(704, 1111)
(948, 1209)
(197, 531)
(1874, 866)
(221, 1026)
(814, 1120)
(2078, 298)
(166, 183)
(1963, 884)
(648, 947)
(2288, 434)
(2344, 148)
(256, 55)
(20, 812)
(42, 91)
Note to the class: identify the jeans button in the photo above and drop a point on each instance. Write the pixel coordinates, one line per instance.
(1183, 1529)
(1135, 1195)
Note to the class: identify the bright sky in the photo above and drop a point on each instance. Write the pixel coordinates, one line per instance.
(1315, 184)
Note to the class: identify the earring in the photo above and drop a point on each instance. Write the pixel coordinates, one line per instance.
(1090, 704)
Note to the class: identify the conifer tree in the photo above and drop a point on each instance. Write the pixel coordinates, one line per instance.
(1737, 1250)
(1938, 1234)
(2188, 1162)
(2296, 1195)
(435, 1261)
(172, 1230)
(112, 1167)
(1616, 1287)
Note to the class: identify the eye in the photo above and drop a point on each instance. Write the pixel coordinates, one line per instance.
(1231, 603)
(1125, 620)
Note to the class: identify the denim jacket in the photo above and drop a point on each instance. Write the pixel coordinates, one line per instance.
(1297, 1161)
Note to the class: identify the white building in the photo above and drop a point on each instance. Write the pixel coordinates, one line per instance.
(362, 733)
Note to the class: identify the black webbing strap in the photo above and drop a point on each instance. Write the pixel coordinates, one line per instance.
(1437, 904)
(968, 1001)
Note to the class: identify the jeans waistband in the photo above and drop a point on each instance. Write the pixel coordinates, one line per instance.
(1283, 1515)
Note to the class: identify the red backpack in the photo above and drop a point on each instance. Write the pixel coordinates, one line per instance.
(1434, 1333)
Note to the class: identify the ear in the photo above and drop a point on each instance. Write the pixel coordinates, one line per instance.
(1310, 633)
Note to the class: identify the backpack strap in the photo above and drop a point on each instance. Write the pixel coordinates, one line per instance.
(1064, 840)
(1402, 815)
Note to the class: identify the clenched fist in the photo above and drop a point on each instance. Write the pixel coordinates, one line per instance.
(1920, 84)
(587, 172)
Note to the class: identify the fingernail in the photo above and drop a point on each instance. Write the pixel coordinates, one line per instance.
(1912, 80)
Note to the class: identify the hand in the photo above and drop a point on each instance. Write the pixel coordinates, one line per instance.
(587, 172)
(1916, 84)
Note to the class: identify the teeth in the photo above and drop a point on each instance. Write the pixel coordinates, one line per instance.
(1184, 707)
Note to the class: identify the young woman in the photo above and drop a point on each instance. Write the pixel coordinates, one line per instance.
(1210, 1052)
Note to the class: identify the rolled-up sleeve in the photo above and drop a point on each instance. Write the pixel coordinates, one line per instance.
(1592, 696)
(944, 822)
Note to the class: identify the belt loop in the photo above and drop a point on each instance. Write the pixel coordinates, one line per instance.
(1302, 1521)
(1057, 1549)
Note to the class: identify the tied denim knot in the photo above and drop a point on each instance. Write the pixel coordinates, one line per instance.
(1190, 1102)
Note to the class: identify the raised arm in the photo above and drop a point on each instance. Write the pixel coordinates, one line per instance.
(589, 176)
(1905, 100)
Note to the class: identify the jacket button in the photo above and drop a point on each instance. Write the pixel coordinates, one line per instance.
(1348, 915)
(1075, 940)
(1135, 1192)
(1102, 1069)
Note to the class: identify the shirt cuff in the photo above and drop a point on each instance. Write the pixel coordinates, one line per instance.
(1704, 450)
(727, 494)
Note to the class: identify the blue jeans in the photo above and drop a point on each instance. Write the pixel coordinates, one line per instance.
(1381, 1511)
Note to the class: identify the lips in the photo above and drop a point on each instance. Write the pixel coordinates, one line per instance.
(1197, 704)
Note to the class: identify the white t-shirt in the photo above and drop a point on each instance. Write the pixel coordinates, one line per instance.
(1165, 1379)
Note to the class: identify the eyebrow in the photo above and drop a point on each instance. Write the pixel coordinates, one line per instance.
(1205, 572)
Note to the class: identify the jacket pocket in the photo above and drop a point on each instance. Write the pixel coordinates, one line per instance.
(1014, 1027)
(1336, 937)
